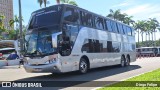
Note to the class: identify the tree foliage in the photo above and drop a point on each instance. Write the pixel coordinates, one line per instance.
(42, 2)
(72, 2)
(122, 17)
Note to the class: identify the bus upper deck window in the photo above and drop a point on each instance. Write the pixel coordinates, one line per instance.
(71, 15)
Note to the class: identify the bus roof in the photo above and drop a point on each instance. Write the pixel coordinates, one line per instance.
(145, 47)
(80, 9)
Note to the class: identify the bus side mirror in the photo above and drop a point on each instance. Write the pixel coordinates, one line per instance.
(55, 38)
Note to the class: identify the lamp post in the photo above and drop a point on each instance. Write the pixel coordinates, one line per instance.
(20, 27)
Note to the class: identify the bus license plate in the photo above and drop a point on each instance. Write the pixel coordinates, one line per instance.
(37, 69)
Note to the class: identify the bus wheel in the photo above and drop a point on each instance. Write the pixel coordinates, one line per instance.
(122, 61)
(83, 66)
(127, 63)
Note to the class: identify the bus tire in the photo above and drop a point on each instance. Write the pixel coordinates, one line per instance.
(83, 66)
(127, 63)
(122, 61)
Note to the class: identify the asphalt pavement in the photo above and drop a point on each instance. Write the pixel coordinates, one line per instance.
(94, 78)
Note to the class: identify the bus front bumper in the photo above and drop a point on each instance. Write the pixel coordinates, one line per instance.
(46, 68)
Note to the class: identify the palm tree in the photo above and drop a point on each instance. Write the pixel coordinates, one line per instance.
(1, 21)
(11, 23)
(147, 30)
(15, 20)
(58, 1)
(154, 24)
(42, 2)
(72, 2)
(117, 15)
(122, 17)
(128, 20)
(142, 28)
(114, 14)
(137, 27)
(2, 29)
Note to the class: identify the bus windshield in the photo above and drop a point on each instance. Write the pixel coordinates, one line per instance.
(46, 17)
(39, 43)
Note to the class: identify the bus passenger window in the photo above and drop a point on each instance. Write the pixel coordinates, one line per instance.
(109, 46)
(71, 15)
(86, 19)
(116, 47)
(85, 47)
(112, 26)
(119, 28)
(124, 29)
(129, 31)
(108, 23)
(116, 26)
(99, 23)
(132, 30)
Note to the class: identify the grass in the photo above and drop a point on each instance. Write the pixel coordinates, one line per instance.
(130, 84)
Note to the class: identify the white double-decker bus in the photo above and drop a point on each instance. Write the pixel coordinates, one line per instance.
(64, 38)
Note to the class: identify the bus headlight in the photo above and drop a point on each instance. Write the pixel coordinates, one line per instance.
(27, 63)
(51, 61)
(48, 62)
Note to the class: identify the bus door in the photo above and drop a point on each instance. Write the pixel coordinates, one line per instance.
(69, 34)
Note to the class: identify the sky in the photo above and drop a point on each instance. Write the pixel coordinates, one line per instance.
(139, 9)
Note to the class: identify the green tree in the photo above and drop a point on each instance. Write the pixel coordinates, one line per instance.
(114, 14)
(137, 27)
(58, 1)
(154, 24)
(42, 2)
(1, 21)
(14, 20)
(142, 28)
(146, 29)
(123, 17)
(2, 29)
(72, 2)
(128, 20)
(13, 34)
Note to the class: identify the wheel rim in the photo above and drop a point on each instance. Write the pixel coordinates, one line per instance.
(83, 66)
(122, 62)
(127, 61)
